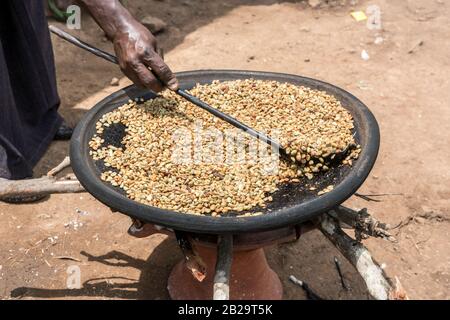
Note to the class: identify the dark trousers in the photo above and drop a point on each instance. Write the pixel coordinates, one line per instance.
(28, 95)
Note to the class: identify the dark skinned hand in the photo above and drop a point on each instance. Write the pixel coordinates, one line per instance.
(135, 46)
(136, 50)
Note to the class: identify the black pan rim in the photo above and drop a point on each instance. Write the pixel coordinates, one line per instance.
(219, 225)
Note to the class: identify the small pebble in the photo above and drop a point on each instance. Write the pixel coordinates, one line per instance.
(115, 82)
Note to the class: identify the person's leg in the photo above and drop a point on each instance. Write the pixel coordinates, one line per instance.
(64, 131)
(13, 164)
(29, 101)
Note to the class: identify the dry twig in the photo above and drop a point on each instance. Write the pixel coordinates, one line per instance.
(341, 276)
(370, 197)
(378, 284)
(311, 295)
(60, 167)
(427, 216)
(364, 224)
(67, 258)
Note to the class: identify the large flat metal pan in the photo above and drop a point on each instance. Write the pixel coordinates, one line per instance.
(292, 204)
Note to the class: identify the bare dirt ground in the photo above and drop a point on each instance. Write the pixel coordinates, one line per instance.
(409, 93)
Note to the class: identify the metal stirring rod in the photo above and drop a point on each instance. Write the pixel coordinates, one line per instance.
(111, 58)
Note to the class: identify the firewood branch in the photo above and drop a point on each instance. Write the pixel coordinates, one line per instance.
(45, 185)
(194, 262)
(378, 284)
(35, 187)
(223, 267)
(364, 224)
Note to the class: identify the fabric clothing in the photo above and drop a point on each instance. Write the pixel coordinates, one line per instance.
(28, 94)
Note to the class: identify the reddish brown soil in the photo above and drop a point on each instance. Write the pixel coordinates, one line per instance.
(409, 93)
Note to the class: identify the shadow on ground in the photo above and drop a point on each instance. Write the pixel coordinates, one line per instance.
(301, 258)
(151, 284)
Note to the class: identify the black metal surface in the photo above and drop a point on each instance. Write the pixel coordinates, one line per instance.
(292, 204)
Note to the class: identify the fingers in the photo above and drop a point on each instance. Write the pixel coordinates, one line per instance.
(161, 70)
(142, 76)
(137, 56)
(147, 78)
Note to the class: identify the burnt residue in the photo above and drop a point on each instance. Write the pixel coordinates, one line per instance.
(291, 194)
(113, 135)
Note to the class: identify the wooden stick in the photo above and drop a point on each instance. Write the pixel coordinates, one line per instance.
(194, 262)
(341, 275)
(223, 267)
(41, 186)
(311, 295)
(35, 187)
(60, 167)
(364, 224)
(378, 284)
